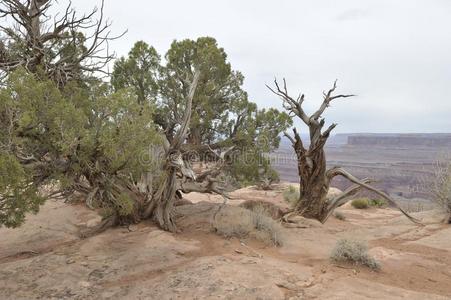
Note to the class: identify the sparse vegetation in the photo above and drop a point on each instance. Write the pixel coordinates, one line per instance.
(440, 187)
(271, 209)
(363, 203)
(242, 223)
(360, 203)
(340, 216)
(354, 251)
(291, 195)
(377, 202)
(416, 205)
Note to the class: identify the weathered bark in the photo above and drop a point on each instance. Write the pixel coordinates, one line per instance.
(161, 203)
(312, 185)
(314, 178)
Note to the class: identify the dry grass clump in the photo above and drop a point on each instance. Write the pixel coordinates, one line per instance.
(340, 216)
(272, 209)
(415, 206)
(439, 188)
(361, 203)
(242, 223)
(354, 251)
(291, 195)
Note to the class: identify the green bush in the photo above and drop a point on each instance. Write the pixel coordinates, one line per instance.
(72, 139)
(377, 202)
(354, 251)
(361, 203)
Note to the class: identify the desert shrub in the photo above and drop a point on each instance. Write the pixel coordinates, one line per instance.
(251, 166)
(440, 187)
(243, 223)
(75, 139)
(377, 202)
(354, 251)
(415, 205)
(339, 216)
(361, 203)
(291, 195)
(271, 209)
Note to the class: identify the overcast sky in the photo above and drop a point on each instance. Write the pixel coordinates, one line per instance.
(394, 54)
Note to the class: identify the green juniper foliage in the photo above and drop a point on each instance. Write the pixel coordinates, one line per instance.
(222, 115)
(65, 132)
(82, 138)
(18, 196)
(139, 71)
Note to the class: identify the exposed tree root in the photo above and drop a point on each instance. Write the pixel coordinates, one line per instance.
(104, 225)
(364, 184)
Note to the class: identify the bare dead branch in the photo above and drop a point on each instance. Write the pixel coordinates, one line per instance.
(180, 136)
(342, 199)
(337, 171)
(293, 106)
(328, 97)
(47, 40)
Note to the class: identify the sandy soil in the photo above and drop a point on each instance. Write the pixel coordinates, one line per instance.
(46, 259)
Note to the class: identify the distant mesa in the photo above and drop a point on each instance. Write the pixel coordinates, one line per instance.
(401, 140)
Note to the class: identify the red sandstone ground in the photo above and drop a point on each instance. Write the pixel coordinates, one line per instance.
(45, 258)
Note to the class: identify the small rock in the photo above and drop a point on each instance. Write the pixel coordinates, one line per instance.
(93, 222)
(132, 228)
(84, 284)
(70, 261)
(238, 251)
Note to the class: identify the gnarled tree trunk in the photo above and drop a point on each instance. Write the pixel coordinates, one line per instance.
(312, 185)
(161, 203)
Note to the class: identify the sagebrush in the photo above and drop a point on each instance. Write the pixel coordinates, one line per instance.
(242, 223)
(353, 251)
(439, 188)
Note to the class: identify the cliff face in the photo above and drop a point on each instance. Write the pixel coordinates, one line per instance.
(401, 140)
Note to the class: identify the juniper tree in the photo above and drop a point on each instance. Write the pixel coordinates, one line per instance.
(58, 142)
(222, 116)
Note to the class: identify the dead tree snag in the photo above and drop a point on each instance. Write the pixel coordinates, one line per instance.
(314, 178)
